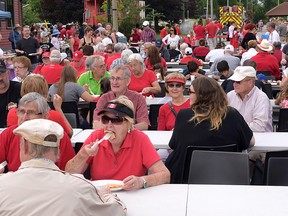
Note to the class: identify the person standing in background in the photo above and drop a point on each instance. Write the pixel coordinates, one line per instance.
(15, 35)
(211, 29)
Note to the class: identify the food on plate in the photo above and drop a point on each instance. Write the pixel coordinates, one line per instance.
(113, 186)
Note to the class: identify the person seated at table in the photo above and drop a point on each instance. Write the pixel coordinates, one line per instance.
(37, 83)
(142, 80)
(22, 66)
(193, 70)
(225, 73)
(188, 57)
(90, 80)
(68, 88)
(215, 53)
(31, 106)
(38, 178)
(250, 101)
(252, 44)
(127, 156)
(153, 58)
(183, 46)
(120, 78)
(159, 71)
(282, 98)
(209, 121)
(201, 50)
(233, 61)
(175, 85)
(173, 51)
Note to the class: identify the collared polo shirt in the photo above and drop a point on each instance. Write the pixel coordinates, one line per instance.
(87, 78)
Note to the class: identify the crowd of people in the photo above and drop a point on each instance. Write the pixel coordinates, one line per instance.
(67, 62)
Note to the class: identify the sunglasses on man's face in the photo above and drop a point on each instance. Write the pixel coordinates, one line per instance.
(115, 120)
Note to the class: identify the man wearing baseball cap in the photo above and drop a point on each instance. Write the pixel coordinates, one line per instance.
(251, 102)
(233, 61)
(148, 34)
(39, 186)
(9, 94)
(78, 62)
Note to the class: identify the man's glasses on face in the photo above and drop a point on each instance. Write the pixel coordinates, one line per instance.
(29, 113)
(116, 79)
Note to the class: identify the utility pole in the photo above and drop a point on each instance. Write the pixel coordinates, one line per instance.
(109, 10)
(211, 5)
(115, 14)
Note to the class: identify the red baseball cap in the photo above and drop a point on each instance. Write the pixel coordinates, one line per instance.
(77, 56)
(46, 55)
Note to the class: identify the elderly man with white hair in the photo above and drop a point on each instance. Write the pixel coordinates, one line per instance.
(39, 187)
(123, 60)
(251, 102)
(52, 71)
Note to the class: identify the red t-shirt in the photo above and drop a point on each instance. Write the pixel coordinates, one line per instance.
(163, 33)
(80, 69)
(150, 67)
(10, 149)
(138, 83)
(166, 119)
(52, 72)
(211, 29)
(201, 51)
(111, 59)
(55, 116)
(135, 157)
(187, 59)
(199, 32)
(267, 62)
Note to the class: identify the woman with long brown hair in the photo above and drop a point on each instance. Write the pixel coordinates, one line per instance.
(68, 88)
(153, 58)
(209, 122)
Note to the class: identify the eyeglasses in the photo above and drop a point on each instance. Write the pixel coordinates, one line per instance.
(178, 85)
(29, 113)
(117, 120)
(18, 68)
(191, 92)
(171, 29)
(101, 66)
(108, 52)
(116, 79)
(239, 82)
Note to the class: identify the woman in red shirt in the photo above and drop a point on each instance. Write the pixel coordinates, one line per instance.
(175, 86)
(153, 58)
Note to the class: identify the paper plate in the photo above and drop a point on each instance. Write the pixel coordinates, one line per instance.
(114, 185)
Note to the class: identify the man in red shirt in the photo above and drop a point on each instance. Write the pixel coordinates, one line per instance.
(164, 31)
(188, 57)
(118, 48)
(266, 61)
(52, 71)
(200, 32)
(31, 106)
(211, 29)
(78, 62)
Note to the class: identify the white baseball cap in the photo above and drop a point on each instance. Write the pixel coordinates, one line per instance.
(243, 71)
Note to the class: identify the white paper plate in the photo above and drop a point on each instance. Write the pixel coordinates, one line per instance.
(110, 184)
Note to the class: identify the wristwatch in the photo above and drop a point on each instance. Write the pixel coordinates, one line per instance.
(145, 185)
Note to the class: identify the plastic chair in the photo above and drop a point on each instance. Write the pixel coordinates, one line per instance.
(267, 89)
(190, 149)
(69, 107)
(213, 167)
(283, 120)
(274, 154)
(71, 118)
(277, 171)
(153, 116)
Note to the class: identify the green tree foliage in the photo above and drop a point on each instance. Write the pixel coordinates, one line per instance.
(31, 13)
